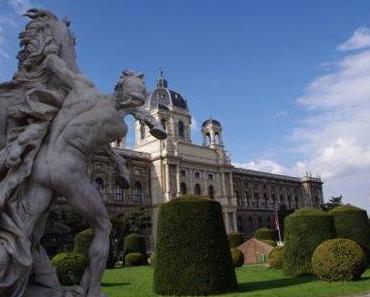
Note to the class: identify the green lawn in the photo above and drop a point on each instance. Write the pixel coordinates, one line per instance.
(253, 281)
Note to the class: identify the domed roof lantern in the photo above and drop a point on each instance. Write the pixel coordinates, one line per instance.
(211, 121)
(161, 81)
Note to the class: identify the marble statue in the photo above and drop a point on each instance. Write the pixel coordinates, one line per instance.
(52, 119)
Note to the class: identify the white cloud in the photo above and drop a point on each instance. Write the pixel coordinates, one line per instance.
(334, 137)
(280, 114)
(360, 39)
(194, 124)
(263, 165)
(20, 6)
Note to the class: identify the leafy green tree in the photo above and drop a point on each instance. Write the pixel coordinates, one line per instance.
(135, 220)
(334, 202)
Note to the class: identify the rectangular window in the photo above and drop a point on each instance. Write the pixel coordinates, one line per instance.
(182, 172)
(210, 176)
(197, 174)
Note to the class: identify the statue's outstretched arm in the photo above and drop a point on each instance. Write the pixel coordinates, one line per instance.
(155, 127)
(60, 69)
(123, 177)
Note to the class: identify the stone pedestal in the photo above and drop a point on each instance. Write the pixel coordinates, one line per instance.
(35, 290)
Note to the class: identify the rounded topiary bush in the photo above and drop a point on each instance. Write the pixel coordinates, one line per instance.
(69, 267)
(82, 242)
(339, 259)
(237, 256)
(352, 223)
(192, 252)
(134, 243)
(270, 242)
(135, 259)
(265, 234)
(275, 258)
(305, 229)
(235, 239)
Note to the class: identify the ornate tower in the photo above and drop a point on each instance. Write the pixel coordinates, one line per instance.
(171, 109)
(212, 134)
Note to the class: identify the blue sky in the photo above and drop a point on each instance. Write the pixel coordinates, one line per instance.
(287, 79)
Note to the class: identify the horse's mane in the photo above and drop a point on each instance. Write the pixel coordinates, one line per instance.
(42, 36)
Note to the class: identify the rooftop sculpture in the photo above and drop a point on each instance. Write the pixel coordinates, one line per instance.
(52, 119)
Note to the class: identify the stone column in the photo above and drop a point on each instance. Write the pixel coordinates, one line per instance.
(167, 182)
(226, 220)
(191, 190)
(212, 135)
(223, 185)
(234, 222)
(178, 180)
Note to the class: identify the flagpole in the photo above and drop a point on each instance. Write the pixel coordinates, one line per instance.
(277, 225)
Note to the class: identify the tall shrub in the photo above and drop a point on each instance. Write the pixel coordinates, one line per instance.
(265, 234)
(192, 253)
(305, 229)
(352, 223)
(82, 242)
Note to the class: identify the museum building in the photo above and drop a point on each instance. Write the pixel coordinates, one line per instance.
(161, 170)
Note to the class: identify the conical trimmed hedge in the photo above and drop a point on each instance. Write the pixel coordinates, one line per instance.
(192, 252)
(305, 229)
(82, 242)
(352, 223)
(265, 234)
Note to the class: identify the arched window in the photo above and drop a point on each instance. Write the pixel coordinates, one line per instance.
(296, 201)
(238, 202)
(142, 131)
(246, 197)
(183, 188)
(181, 129)
(211, 194)
(240, 224)
(138, 192)
(289, 201)
(217, 138)
(99, 183)
(118, 193)
(259, 222)
(268, 222)
(264, 200)
(197, 190)
(250, 223)
(208, 139)
(163, 122)
(274, 200)
(256, 199)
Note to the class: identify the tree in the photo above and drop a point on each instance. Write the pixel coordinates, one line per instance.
(135, 220)
(334, 202)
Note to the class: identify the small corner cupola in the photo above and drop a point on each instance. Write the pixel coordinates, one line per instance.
(212, 133)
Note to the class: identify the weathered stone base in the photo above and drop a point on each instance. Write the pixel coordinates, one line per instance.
(35, 290)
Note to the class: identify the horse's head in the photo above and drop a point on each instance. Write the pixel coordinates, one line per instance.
(45, 34)
(130, 91)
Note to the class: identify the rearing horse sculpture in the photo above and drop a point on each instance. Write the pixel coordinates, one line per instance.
(56, 120)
